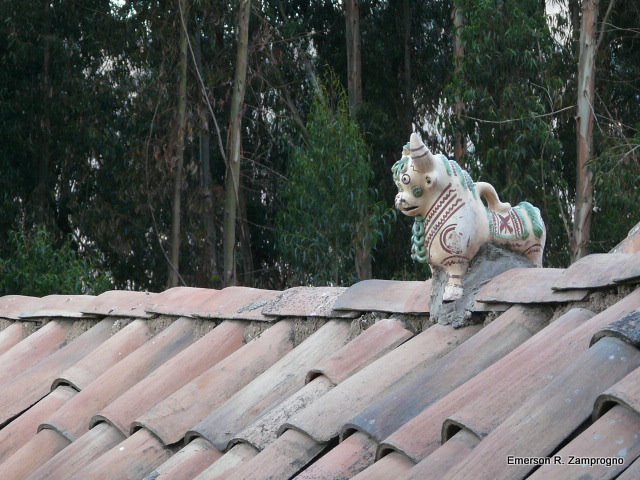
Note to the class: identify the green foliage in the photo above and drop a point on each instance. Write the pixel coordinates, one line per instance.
(616, 174)
(508, 84)
(328, 206)
(38, 266)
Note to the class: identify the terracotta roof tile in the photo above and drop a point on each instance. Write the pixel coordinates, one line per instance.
(34, 383)
(391, 466)
(48, 339)
(371, 344)
(600, 270)
(72, 420)
(626, 392)
(440, 462)
(34, 453)
(188, 462)
(409, 397)
(180, 301)
(308, 302)
(632, 472)
(323, 419)
(380, 338)
(172, 417)
(626, 328)
(551, 414)
(614, 435)
(11, 306)
(631, 244)
(121, 303)
(264, 430)
(62, 306)
(281, 459)
(172, 375)
(10, 336)
(107, 354)
(528, 285)
(281, 380)
(239, 303)
(134, 457)
(18, 432)
(513, 378)
(386, 296)
(344, 461)
(230, 461)
(79, 453)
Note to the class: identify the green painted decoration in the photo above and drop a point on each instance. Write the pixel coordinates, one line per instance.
(418, 247)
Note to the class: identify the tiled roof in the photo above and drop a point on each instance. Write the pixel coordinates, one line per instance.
(329, 383)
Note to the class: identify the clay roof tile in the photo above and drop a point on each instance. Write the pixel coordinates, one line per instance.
(121, 303)
(78, 454)
(173, 416)
(11, 306)
(18, 432)
(551, 414)
(409, 397)
(386, 296)
(281, 380)
(34, 383)
(528, 285)
(613, 436)
(59, 306)
(600, 270)
(174, 373)
(180, 301)
(73, 419)
(308, 302)
(323, 420)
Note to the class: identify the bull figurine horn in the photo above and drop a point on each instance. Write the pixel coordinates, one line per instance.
(422, 157)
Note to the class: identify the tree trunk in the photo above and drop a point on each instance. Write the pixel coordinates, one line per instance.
(584, 128)
(210, 250)
(245, 242)
(232, 181)
(41, 193)
(460, 148)
(354, 90)
(406, 47)
(181, 120)
(354, 54)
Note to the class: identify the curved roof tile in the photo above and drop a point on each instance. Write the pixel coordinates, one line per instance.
(34, 383)
(386, 296)
(409, 397)
(323, 419)
(121, 303)
(614, 436)
(18, 432)
(512, 379)
(73, 419)
(173, 374)
(549, 416)
(282, 379)
(171, 418)
(87, 448)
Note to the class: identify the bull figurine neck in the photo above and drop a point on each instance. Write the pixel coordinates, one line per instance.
(451, 220)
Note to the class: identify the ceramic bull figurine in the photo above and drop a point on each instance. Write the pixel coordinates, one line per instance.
(451, 220)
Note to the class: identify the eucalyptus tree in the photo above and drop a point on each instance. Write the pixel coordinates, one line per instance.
(512, 100)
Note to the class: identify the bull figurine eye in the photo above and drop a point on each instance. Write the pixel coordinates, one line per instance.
(406, 179)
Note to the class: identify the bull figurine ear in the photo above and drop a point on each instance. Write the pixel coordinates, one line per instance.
(423, 160)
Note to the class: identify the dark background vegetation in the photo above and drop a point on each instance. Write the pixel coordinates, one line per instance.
(88, 123)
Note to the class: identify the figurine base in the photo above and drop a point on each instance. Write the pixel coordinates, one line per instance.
(489, 262)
